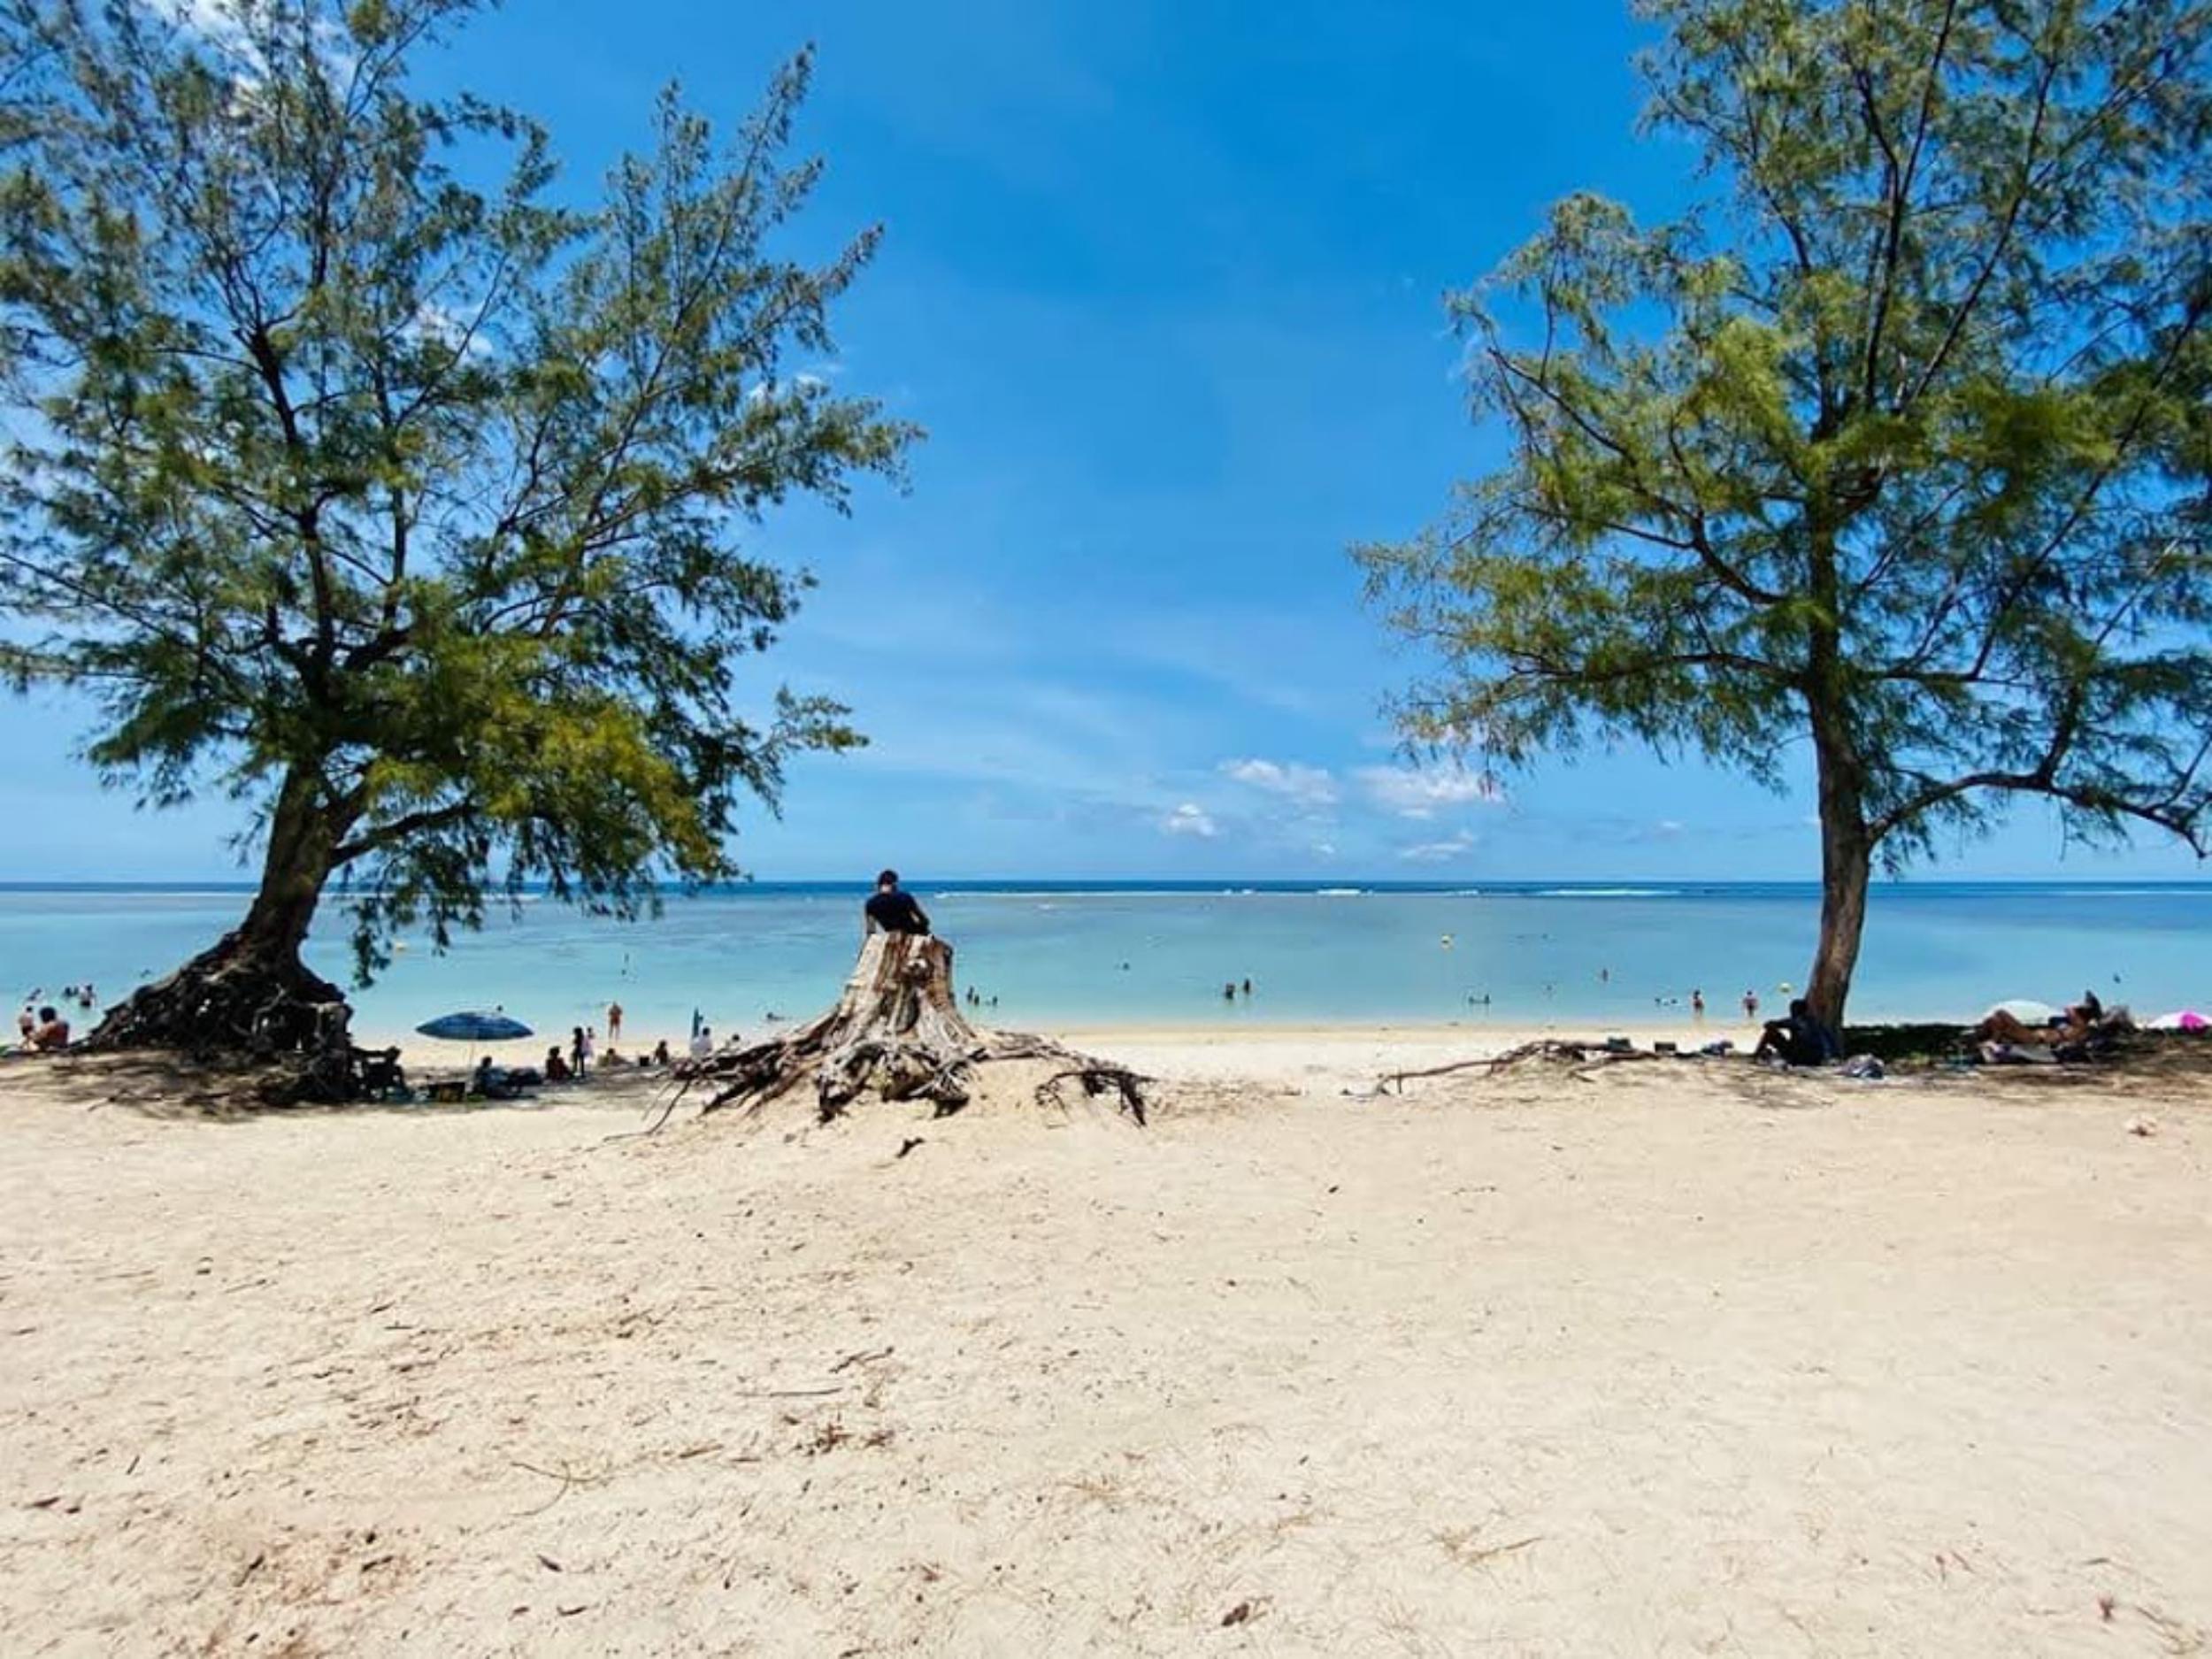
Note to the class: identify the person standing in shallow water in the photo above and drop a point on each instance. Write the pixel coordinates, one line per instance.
(892, 910)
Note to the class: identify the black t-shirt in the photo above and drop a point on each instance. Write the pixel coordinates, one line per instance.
(895, 912)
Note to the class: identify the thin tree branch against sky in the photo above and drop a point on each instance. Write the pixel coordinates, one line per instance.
(1164, 287)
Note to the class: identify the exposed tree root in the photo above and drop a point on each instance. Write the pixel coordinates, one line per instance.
(897, 1030)
(231, 999)
(1584, 1057)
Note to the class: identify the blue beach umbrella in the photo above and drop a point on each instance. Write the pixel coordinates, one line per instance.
(475, 1027)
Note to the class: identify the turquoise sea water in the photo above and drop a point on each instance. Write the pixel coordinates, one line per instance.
(1054, 953)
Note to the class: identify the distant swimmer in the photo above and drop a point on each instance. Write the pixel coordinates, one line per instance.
(1697, 1002)
(1751, 1005)
(1247, 987)
(1446, 943)
(1229, 992)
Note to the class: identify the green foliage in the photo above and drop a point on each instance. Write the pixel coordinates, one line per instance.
(410, 507)
(1897, 442)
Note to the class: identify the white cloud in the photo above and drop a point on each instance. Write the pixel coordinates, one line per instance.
(1669, 827)
(1326, 850)
(1308, 786)
(1416, 793)
(1439, 852)
(1189, 820)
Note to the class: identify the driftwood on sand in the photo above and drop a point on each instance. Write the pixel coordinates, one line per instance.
(897, 1030)
(1584, 1057)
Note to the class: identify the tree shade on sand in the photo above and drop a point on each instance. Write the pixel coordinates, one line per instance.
(1897, 447)
(408, 506)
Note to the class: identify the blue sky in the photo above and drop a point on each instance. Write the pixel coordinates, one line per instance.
(1163, 282)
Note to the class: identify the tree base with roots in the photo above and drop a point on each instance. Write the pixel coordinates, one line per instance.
(232, 1002)
(898, 1030)
(229, 999)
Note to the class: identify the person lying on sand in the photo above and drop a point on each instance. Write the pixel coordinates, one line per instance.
(2081, 1032)
(50, 1032)
(2004, 1026)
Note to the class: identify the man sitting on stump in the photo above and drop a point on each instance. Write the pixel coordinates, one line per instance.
(891, 910)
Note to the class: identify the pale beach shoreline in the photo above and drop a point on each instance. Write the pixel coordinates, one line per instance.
(1252, 1049)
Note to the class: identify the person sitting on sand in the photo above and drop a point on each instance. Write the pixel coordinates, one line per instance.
(556, 1068)
(379, 1071)
(1799, 1039)
(892, 910)
(660, 1052)
(50, 1032)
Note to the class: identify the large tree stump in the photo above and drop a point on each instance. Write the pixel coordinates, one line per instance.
(898, 1030)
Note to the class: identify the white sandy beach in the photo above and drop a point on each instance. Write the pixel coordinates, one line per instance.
(1677, 1359)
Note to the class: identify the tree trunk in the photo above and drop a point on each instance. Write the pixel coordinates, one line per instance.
(1846, 856)
(250, 991)
(1845, 860)
(896, 1029)
(1845, 847)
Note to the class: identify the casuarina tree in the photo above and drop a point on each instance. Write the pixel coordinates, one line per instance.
(1893, 448)
(358, 471)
